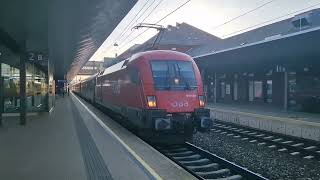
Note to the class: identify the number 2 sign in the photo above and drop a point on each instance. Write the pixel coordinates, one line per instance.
(32, 56)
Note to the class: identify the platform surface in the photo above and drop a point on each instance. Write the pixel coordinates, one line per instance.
(298, 124)
(76, 141)
(268, 111)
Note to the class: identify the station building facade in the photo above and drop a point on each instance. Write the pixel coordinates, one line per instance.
(276, 65)
(282, 73)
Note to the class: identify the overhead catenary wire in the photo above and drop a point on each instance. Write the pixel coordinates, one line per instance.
(233, 19)
(130, 23)
(151, 11)
(130, 27)
(272, 20)
(172, 12)
(243, 14)
(124, 30)
(128, 35)
(167, 15)
(229, 21)
(145, 18)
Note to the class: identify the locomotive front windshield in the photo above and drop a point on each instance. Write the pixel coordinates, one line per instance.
(173, 75)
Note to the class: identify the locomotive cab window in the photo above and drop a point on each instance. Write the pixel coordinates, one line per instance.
(173, 75)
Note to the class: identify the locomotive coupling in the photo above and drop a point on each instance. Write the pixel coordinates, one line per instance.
(162, 123)
(202, 119)
(205, 122)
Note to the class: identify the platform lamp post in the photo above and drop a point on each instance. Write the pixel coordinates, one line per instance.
(115, 45)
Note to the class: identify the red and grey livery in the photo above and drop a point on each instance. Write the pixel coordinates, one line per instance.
(160, 93)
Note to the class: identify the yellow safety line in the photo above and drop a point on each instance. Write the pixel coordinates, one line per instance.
(134, 154)
(292, 120)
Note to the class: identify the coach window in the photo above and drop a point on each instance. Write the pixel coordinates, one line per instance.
(269, 91)
(223, 89)
(258, 89)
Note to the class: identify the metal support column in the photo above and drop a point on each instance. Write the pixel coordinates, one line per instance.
(23, 111)
(285, 100)
(1, 96)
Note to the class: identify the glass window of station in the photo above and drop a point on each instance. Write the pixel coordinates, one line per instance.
(39, 95)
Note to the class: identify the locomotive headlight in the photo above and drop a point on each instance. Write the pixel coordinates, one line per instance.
(151, 100)
(201, 101)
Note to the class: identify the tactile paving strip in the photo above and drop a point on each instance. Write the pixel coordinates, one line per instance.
(94, 163)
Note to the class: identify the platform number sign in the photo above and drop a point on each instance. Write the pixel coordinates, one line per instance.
(33, 56)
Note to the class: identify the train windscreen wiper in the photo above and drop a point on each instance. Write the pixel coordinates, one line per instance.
(167, 81)
(187, 85)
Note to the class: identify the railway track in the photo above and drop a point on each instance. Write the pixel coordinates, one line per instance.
(307, 149)
(205, 165)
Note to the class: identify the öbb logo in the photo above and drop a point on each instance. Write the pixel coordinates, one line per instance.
(179, 104)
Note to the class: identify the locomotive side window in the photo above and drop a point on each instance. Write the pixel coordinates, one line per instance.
(134, 76)
(170, 74)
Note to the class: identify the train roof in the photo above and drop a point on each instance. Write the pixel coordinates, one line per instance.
(87, 79)
(114, 68)
(149, 54)
(158, 53)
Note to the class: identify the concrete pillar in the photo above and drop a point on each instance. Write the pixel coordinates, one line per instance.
(1, 96)
(47, 107)
(215, 88)
(285, 97)
(23, 111)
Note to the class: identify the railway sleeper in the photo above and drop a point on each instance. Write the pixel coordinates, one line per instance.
(234, 177)
(199, 162)
(207, 167)
(253, 133)
(188, 158)
(269, 137)
(173, 147)
(310, 148)
(215, 174)
(181, 154)
(287, 142)
(178, 150)
(297, 145)
(277, 140)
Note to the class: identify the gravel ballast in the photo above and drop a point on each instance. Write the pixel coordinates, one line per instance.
(260, 159)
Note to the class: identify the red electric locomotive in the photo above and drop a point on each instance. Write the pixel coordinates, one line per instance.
(159, 92)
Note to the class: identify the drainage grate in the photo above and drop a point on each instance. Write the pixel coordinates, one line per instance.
(94, 163)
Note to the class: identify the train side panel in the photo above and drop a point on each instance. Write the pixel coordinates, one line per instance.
(120, 91)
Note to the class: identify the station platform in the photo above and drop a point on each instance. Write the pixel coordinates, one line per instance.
(76, 141)
(298, 124)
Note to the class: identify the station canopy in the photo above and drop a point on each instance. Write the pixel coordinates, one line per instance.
(67, 32)
(297, 48)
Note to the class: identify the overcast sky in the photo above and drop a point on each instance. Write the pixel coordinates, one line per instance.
(203, 14)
